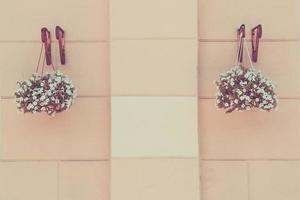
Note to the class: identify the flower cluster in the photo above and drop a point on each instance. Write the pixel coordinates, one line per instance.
(242, 89)
(50, 93)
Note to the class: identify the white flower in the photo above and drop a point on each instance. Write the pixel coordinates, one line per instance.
(29, 106)
(58, 79)
(69, 92)
(20, 90)
(59, 73)
(28, 83)
(42, 98)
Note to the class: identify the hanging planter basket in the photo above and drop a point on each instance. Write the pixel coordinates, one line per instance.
(50, 93)
(243, 88)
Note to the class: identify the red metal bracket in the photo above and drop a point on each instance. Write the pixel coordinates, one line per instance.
(241, 34)
(60, 36)
(256, 36)
(46, 39)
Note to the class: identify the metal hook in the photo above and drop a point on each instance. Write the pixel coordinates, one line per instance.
(60, 36)
(256, 36)
(241, 33)
(46, 39)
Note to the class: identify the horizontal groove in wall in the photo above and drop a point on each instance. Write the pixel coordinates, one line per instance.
(249, 40)
(155, 38)
(79, 96)
(38, 160)
(249, 160)
(160, 95)
(155, 158)
(55, 41)
(280, 98)
(135, 95)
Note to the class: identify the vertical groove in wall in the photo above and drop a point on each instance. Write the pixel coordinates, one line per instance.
(248, 179)
(58, 180)
(198, 114)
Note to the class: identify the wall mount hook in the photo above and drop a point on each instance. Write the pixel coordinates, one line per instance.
(241, 34)
(242, 31)
(60, 36)
(46, 40)
(256, 35)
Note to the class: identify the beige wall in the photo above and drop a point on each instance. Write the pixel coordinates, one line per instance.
(134, 64)
(66, 157)
(133, 131)
(154, 100)
(251, 155)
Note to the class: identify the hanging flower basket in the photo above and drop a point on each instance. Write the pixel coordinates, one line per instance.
(50, 93)
(242, 89)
